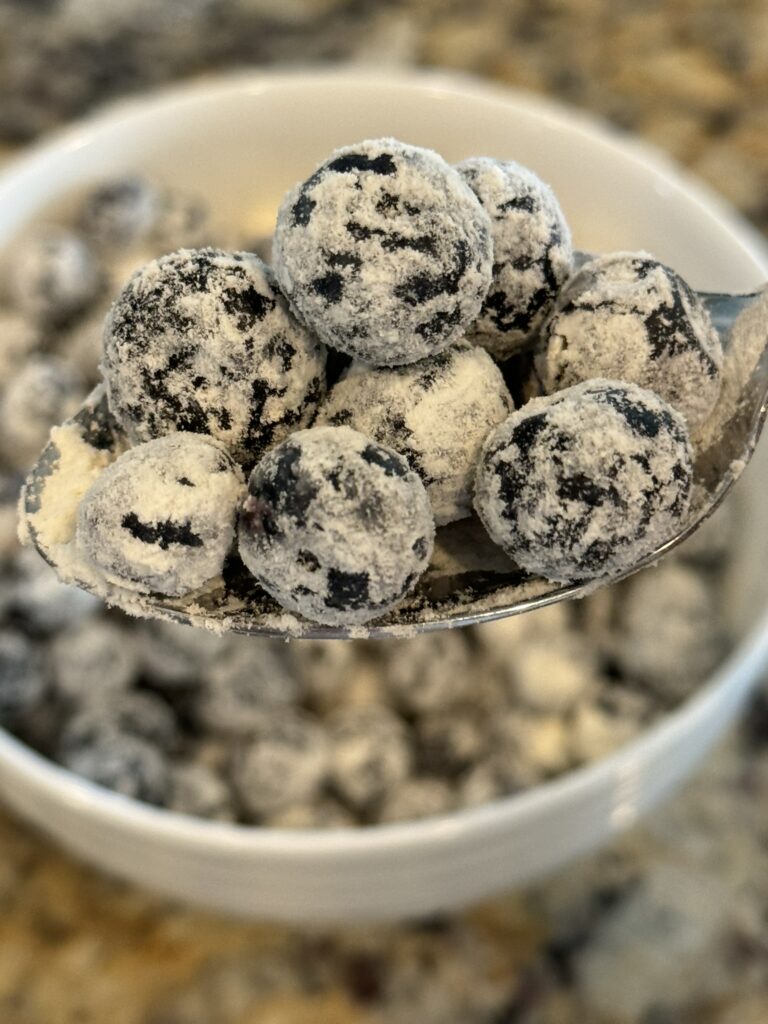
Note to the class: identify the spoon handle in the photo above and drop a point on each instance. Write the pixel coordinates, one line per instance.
(724, 308)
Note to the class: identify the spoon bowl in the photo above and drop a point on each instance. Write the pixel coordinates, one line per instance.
(220, 138)
(469, 581)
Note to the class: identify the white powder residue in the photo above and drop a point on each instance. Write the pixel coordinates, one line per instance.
(436, 413)
(77, 467)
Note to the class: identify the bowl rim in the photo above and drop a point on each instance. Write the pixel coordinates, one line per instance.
(89, 799)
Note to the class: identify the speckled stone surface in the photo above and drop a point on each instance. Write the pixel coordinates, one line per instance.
(667, 927)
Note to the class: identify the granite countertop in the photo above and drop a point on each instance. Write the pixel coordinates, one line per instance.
(670, 925)
(666, 927)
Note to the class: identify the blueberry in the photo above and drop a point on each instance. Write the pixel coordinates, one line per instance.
(331, 532)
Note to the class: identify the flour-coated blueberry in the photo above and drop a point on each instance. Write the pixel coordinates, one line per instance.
(202, 341)
(585, 482)
(384, 252)
(335, 526)
(532, 252)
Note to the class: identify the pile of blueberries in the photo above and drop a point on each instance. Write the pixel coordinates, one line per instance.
(367, 383)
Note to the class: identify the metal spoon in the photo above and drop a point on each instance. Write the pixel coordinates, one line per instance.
(470, 580)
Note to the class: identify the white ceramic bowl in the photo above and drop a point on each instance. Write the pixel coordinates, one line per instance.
(242, 141)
